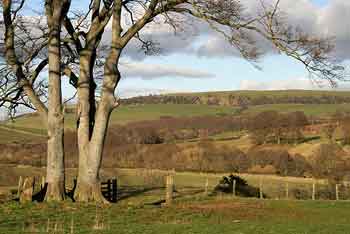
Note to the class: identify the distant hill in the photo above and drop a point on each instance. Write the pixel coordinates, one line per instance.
(252, 98)
(154, 107)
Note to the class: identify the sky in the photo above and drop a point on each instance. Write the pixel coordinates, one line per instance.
(203, 61)
(229, 72)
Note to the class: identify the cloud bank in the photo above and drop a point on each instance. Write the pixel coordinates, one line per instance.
(154, 71)
(198, 39)
(287, 84)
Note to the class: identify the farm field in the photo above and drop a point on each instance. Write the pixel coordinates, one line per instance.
(319, 110)
(132, 113)
(194, 214)
(32, 125)
(125, 114)
(139, 179)
(138, 209)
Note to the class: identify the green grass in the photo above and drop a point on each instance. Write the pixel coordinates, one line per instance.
(32, 124)
(10, 136)
(125, 114)
(191, 215)
(273, 186)
(192, 212)
(308, 109)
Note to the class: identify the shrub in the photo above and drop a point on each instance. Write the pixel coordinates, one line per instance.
(242, 187)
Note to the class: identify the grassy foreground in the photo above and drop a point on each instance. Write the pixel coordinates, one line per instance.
(199, 215)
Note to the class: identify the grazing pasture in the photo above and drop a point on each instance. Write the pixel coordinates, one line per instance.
(193, 214)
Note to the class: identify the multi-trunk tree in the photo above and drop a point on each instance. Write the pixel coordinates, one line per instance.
(86, 56)
(30, 45)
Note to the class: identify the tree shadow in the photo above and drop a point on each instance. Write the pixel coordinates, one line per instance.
(40, 196)
(133, 191)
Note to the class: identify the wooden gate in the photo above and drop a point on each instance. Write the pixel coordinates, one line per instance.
(110, 190)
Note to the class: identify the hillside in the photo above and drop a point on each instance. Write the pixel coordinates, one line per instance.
(238, 98)
(315, 103)
(32, 123)
(143, 135)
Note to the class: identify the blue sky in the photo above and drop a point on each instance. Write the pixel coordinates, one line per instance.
(231, 73)
(227, 72)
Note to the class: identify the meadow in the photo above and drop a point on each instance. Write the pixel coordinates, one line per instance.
(139, 209)
(194, 214)
(30, 126)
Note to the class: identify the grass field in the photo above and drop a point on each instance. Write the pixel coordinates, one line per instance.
(32, 125)
(125, 114)
(273, 186)
(137, 210)
(197, 215)
(309, 109)
(28, 126)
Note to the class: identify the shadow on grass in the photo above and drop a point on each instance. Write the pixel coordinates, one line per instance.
(133, 191)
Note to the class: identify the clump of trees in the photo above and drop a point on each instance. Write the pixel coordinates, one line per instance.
(239, 100)
(275, 127)
(329, 161)
(336, 128)
(278, 161)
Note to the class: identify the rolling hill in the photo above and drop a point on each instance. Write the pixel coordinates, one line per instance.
(312, 103)
(251, 98)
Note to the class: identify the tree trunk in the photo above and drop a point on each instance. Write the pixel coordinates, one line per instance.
(91, 144)
(55, 174)
(90, 158)
(93, 124)
(88, 184)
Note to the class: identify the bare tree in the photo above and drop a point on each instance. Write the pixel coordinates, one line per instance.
(30, 44)
(22, 51)
(228, 17)
(329, 130)
(56, 11)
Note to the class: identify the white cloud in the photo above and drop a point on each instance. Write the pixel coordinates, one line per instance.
(134, 92)
(153, 71)
(293, 83)
(332, 20)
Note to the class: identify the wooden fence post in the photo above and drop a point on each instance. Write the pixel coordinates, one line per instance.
(20, 186)
(234, 188)
(337, 192)
(313, 190)
(169, 190)
(261, 195)
(43, 182)
(287, 190)
(27, 190)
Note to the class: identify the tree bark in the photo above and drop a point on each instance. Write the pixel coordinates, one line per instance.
(88, 184)
(91, 144)
(55, 174)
